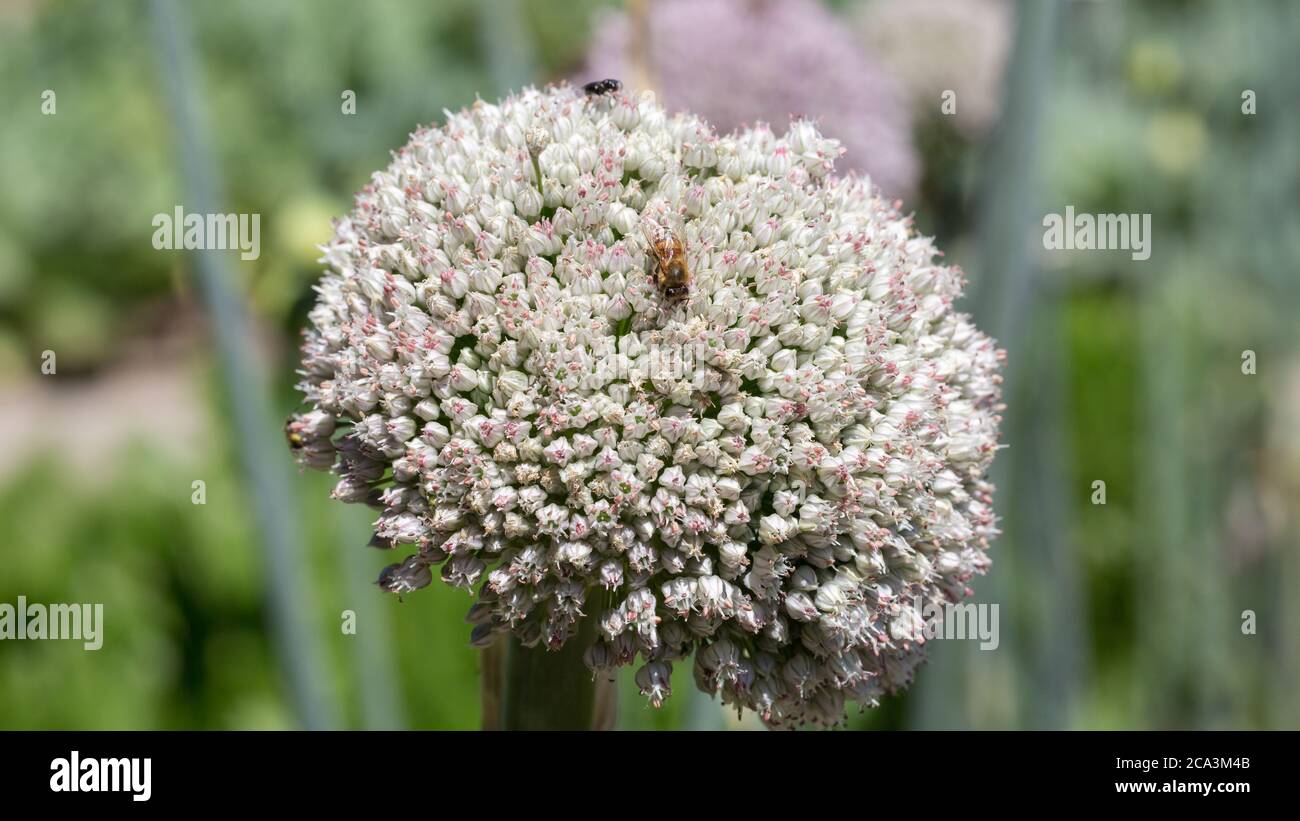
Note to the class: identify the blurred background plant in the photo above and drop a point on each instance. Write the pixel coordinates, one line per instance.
(1126, 614)
(739, 62)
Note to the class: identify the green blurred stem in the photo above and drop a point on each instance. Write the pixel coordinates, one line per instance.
(381, 698)
(276, 514)
(533, 688)
(1005, 297)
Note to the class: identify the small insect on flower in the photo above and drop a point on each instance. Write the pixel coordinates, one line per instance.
(596, 88)
(293, 433)
(672, 274)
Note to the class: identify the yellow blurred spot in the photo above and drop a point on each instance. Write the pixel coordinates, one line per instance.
(1154, 66)
(1176, 141)
(304, 225)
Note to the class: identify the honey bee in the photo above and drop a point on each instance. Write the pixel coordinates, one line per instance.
(597, 88)
(671, 272)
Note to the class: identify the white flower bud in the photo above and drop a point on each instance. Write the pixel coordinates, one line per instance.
(774, 529)
(528, 201)
(800, 607)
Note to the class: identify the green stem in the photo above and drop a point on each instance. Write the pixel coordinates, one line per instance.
(537, 172)
(540, 689)
(274, 506)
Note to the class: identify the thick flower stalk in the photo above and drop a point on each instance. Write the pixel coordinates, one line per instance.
(771, 473)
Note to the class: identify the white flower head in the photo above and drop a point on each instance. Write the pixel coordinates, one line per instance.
(485, 366)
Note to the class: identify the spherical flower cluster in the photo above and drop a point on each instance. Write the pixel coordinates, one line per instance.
(735, 62)
(771, 473)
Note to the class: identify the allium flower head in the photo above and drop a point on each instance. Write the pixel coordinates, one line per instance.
(765, 474)
(736, 62)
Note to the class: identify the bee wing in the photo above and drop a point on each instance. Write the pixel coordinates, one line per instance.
(675, 226)
(662, 225)
(654, 234)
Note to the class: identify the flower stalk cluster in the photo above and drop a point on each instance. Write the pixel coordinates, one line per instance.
(485, 367)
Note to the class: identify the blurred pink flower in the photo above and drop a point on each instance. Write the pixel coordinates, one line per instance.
(933, 46)
(736, 62)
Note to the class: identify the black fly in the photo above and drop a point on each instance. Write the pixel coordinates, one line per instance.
(598, 87)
